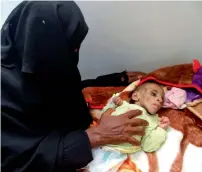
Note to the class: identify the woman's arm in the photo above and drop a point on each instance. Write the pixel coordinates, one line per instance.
(52, 151)
(76, 150)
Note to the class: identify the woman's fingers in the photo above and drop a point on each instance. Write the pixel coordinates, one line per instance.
(120, 129)
(132, 141)
(140, 131)
(133, 113)
(132, 120)
(108, 112)
(138, 122)
(126, 139)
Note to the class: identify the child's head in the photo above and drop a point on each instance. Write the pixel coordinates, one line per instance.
(149, 96)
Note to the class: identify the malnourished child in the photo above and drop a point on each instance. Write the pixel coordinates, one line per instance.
(148, 98)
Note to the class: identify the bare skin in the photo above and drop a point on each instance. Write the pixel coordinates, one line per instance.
(149, 96)
(117, 129)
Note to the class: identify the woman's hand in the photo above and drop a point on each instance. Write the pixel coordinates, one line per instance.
(117, 129)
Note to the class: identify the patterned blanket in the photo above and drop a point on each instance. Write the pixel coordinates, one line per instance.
(182, 150)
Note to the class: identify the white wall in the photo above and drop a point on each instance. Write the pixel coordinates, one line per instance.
(137, 35)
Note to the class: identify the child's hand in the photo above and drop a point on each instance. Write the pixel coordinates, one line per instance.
(164, 122)
(117, 101)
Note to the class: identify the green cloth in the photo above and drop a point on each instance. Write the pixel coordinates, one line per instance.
(154, 136)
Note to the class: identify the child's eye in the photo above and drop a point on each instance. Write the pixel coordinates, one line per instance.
(153, 94)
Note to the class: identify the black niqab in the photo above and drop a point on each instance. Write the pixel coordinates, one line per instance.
(42, 102)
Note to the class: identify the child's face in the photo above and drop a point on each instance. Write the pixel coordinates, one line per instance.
(151, 97)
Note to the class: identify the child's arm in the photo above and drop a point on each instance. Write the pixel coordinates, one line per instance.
(109, 105)
(129, 88)
(113, 102)
(154, 140)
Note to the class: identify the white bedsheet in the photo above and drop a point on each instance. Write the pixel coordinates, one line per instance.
(166, 155)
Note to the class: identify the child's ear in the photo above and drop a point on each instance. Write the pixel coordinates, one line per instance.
(135, 96)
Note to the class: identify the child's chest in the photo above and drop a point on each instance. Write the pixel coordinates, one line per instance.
(151, 119)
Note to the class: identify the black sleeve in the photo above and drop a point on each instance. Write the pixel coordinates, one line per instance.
(73, 151)
(76, 151)
(53, 152)
(115, 79)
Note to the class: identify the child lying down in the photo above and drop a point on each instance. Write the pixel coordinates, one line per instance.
(148, 98)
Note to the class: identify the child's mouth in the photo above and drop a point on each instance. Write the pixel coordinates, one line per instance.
(156, 106)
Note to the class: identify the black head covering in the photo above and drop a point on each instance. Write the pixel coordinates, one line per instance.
(40, 79)
(43, 111)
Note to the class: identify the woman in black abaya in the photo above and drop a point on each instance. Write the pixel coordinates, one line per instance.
(44, 115)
